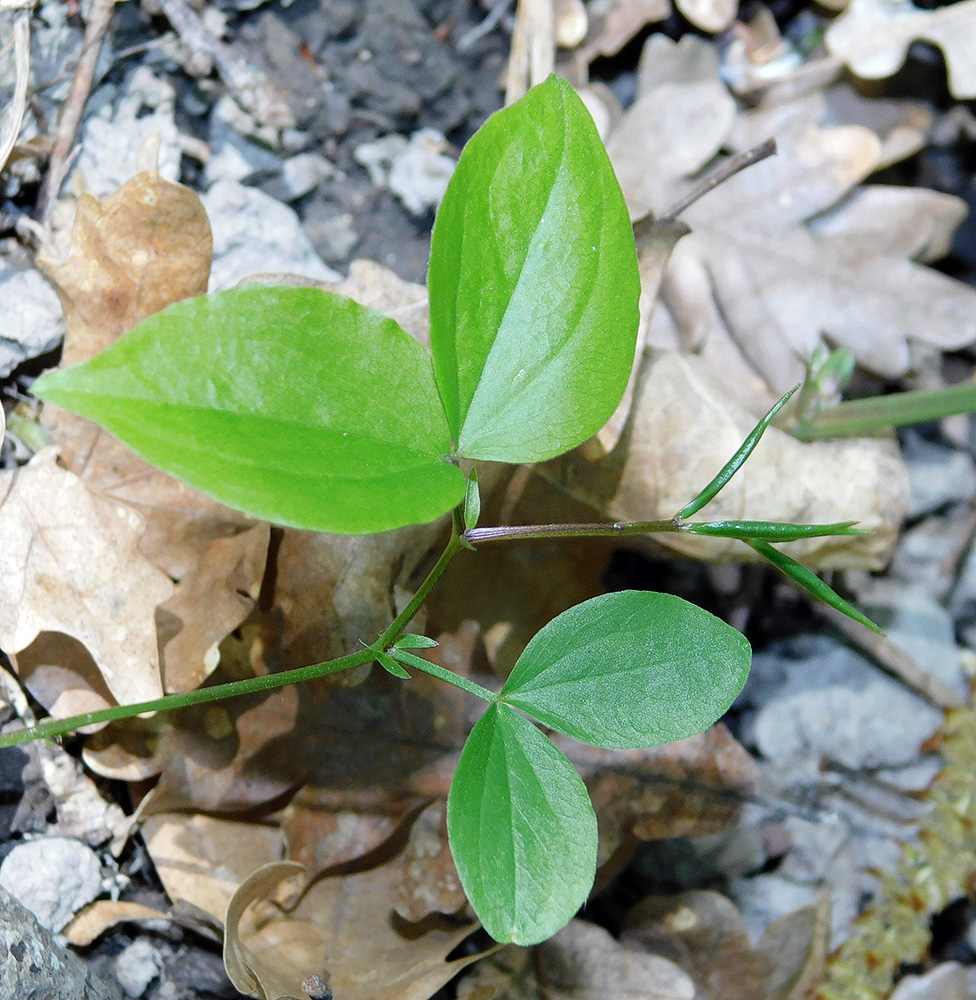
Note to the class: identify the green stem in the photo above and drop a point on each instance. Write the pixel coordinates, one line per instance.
(53, 728)
(419, 663)
(618, 529)
(880, 413)
(403, 619)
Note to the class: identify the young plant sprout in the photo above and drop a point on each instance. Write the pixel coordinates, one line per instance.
(304, 408)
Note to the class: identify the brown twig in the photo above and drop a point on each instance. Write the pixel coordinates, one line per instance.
(99, 16)
(533, 53)
(720, 176)
(894, 661)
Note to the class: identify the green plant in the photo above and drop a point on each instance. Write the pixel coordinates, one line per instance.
(307, 409)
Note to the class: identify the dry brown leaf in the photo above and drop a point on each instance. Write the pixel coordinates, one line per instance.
(758, 283)
(692, 788)
(342, 929)
(94, 920)
(873, 37)
(224, 585)
(702, 932)
(429, 881)
(582, 962)
(202, 860)
(131, 255)
(69, 563)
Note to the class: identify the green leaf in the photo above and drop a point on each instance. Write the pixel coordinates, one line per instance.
(810, 582)
(291, 404)
(630, 669)
(735, 463)
(772, 531)
(533, 283)
(391, 666)
(522, 829)
(410, 641)
(472, 502)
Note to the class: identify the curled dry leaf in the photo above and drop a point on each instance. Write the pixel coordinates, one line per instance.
(94, 920)
(342, 929)
(69, 563)
(873, 37)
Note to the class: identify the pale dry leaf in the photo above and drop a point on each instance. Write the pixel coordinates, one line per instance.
(62, 675)
(131, 255)
(69, 562)
(613, 23)
(582, 962)
(94, 920)
(691, 788)
(756, 286)
(698, 114)
(873, 37)
(202, 860)
(685, 427)
(346, 924)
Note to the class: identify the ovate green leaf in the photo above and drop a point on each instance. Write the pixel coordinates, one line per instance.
(533, 283)
(630, 669)
(522, 829)
(292, 404)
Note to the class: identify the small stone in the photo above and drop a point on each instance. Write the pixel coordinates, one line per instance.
(939, 475)
(53, 877)
(253, 232)
(304, 173)
(33, 322)
(136, 966)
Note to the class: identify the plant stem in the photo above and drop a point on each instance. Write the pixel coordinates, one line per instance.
(52, 728)
(721, 175)
(435, 670)
(880, 413)
(618, 529)
(396, 628)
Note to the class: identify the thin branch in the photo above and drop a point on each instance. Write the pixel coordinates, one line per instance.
(728, 169)
(99, 16)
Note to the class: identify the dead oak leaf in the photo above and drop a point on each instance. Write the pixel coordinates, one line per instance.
(342, 929)
(763, 276)
(130, 255)
(69, 563)
(873, 37)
